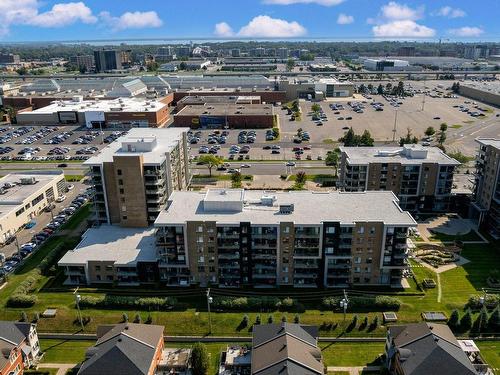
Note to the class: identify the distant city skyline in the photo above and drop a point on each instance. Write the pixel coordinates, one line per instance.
(58, 20)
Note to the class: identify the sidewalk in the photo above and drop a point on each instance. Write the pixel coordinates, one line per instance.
(354, 370)
(62, 367)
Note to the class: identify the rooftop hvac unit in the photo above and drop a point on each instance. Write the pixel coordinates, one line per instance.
(286, 208)
(28, 180)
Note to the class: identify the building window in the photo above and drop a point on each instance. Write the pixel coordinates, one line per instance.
(357, 260)
(286, 230)
(199, 229)
(369, 260)
(357, 269)
(120, 182)
(97, 268)
(124, 217)
(200, 239)
(119, 172)
(122, 191)
(109, 278)
(361, 230)
(330, 230)
(98, 277)
(109, 268)
(372, 230)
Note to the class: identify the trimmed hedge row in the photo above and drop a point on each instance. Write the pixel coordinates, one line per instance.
(20, 297)
(367, 302)
(146, 303)
(256, 304)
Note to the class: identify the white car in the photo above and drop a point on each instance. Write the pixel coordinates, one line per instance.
(245, 166)
(61, 198)
(290, 164)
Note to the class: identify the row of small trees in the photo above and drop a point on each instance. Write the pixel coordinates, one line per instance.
(483, 323)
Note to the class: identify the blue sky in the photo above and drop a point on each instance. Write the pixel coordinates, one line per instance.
(39, 20)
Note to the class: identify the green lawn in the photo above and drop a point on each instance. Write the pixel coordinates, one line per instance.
(62, 351)
(352, 353)
(49, 371)
(490, 351)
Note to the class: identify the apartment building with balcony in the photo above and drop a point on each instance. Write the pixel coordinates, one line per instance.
(233, 238)
(112, 255)
(421, 177)
(135, 174)
(485, 208)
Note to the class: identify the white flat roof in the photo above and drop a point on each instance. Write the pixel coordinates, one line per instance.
(489, 142)
(115, 105)
(366, 155)
(166, 140)
(123, 246)
(15, 196)
(309, 207)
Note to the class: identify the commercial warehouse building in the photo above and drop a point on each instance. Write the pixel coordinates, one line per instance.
(266, 95)
(134, 175)
(226, 99)
(122, 112)
(234, 238)
(24, 195)
(421, 177)
(231, 116)
(306, 87)
(486, 92)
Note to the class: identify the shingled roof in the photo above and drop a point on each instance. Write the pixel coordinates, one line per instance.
(126, 349)
(427, 348)
(286, 349)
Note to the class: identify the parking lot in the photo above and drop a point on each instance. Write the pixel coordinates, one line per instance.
(52, 142)
(45, 225)
(381, 123)
(63, 143)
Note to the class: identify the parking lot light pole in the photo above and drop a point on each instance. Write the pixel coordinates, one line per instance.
(209, 301)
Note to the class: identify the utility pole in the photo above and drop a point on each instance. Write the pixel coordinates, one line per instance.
(209, 301)
(395, 126)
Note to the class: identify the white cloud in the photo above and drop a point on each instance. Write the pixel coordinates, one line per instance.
(132, 20)
(63, 15)
(267, 27)
(344, 19)
(397, 20)
(450, 12)
(467, 31)
(403, 29)
(326, 3)
(223, 29)
(396, 11)
(27, 12)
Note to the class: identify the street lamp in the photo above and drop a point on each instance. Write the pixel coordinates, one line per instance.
(78, 298)
(209, 301)
(344, 303)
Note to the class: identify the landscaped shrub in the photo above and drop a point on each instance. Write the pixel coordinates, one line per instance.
(146, 303)
(454, 320)
(491, 301)
(494, 321)
(296, 319)
(466, 321)
(256, 304)
(21, 300)
(368, 302)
